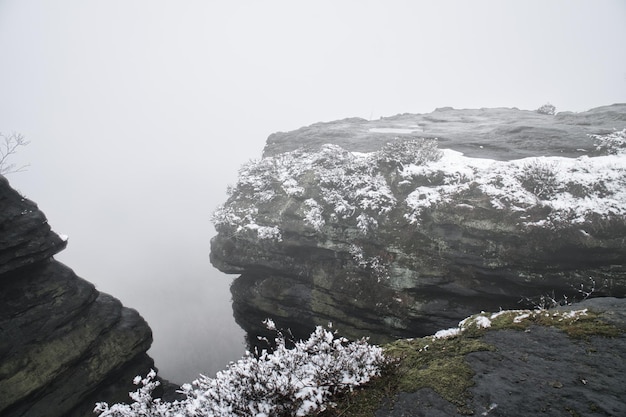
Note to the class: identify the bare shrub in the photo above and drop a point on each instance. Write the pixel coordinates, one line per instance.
(548, 109)
(550, 300)
(8, 147)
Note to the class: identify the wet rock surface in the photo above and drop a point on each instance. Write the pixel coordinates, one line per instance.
(540, 371)
(63, 344)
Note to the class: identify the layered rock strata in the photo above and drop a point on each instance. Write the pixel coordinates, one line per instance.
(384, 231)
(63, 344)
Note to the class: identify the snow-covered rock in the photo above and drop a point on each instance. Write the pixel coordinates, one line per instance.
(397, 235)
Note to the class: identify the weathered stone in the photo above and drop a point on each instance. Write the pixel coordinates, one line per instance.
(63, 344)
(411, 278)
(25, 236)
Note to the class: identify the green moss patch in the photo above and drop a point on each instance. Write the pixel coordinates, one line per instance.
(436, 363)
(366, 400)
(414, 364)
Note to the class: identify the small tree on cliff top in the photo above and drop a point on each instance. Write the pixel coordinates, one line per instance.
(8, 147)
(548, 109)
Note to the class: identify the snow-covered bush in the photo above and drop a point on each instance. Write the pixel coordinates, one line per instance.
(407, 178)
(403, 151)
(548, 109)
(242, 220)
(540, 178)
(267, 232)
(612, 143)
(143, 404)
(313, 215)
(574, 190)
(333, 183)
(287, 382)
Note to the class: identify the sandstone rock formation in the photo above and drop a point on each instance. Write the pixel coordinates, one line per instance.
(63, 344)
(383, 231)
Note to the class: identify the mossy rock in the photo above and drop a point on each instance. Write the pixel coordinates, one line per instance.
(440, 364)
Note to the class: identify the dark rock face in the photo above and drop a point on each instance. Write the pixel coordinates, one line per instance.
(26, 237)
(537, 371)
(388, 246)
(63, 344)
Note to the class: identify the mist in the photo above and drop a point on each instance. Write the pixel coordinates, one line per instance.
(140, 113)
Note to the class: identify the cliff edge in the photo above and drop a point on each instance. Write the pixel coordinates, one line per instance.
(63, 344)
(567, 361)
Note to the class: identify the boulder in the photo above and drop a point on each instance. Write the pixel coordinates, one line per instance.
(402, 226)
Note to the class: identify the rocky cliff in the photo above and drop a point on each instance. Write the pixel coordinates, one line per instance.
(402, 226)
(63, 344)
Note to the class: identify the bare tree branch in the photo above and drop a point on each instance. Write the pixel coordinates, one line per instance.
(9, 146)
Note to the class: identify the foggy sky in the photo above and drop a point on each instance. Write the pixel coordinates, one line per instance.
(140, 113)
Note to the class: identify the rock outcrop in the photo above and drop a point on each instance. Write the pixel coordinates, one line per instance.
(380, 229)
(63, 344)
(568, 361)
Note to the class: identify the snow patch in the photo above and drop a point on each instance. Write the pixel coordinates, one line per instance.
(518, 318)
(313, 215)
(399, 130)
(447, 333)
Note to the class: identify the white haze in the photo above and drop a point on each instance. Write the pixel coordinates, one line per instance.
(140, 113)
